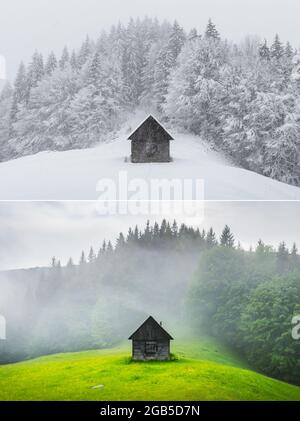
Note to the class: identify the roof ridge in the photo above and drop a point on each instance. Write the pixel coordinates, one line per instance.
(158, 324)
(150, 116)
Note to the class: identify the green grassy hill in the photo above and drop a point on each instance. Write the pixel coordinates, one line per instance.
(201, 370)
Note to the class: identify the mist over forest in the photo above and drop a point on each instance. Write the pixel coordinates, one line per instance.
(192, 281)
(243, 99)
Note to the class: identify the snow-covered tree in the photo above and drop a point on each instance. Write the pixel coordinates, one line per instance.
(51, 64)
(264, 51)
(65, 58)
(211, 31)
(277, 49)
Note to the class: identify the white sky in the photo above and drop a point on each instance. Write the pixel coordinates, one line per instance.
(51, 24)
(32, 232)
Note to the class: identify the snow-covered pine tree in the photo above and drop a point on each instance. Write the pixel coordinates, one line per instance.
(73, 61)
(288, 51)
(277, 49)
(6, 99)
(84, 53)
(35, 72)
(65, 58)
(211, 31)
(264, 51)
(20, 92)
(51, 64)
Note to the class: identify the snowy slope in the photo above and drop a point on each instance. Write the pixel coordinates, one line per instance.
(74, 174)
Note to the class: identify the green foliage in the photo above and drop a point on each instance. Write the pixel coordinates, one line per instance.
(266, 328)
(248, 300)
(202, 370)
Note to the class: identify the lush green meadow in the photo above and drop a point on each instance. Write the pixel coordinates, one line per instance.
(200, 370)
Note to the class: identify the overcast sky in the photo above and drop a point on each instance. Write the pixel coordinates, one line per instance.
(32, 232)
(51, 24)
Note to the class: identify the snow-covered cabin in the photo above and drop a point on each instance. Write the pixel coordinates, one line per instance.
(150, 142)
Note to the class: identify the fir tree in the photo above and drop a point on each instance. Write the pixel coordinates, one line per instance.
(277, 49)
(20, 91)
(211, 239)
(73, 61)
(65, 58)
(91, 256)
(82, 260)
(51, 64)
(227, 238)
(282, 258)
(84, 53)
(211, 31)
(264, 51)
(288, 51)
(120, 242)
(35, 70)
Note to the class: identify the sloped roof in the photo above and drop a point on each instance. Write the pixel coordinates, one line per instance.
(150, 330)
(150, 124)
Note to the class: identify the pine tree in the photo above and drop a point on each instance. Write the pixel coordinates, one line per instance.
(53, 262)
(94, 71)
(211, 31)
(277, 49)
(192, 34)
(51, 64)
(102, 250)
(109, 248)
(211, 239)
(288, 51)
(175, 44)
(35, 70)
(20, 91)
(120, 242)
(65, 58)
(282, 258)
(147, 236)
(82, 260)
(175, 229)
(260, 248)
(264, 51)
(73, 61)
(84, 53)
(295, 261)
(91, 256)
(227, 238)
(70, 263)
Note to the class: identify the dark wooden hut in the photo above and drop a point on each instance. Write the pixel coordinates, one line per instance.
(150, 342)
(150, 142)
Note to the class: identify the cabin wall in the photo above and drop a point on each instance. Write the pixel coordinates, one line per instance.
(139, 354)
(140, 151)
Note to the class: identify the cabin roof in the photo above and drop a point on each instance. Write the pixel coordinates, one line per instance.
(150, 330)
(150, 123)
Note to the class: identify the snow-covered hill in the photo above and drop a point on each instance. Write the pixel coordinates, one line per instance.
(74, 174)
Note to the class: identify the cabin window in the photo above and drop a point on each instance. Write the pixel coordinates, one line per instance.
(151, 347)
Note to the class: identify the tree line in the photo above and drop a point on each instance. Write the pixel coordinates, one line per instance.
(248, 301)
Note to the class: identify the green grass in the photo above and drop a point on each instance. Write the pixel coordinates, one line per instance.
(202, 370)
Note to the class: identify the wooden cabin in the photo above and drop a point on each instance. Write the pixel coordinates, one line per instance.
(150, 142)
(150, 342)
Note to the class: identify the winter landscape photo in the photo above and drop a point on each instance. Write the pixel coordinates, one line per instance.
(227, 92)
(149, 206)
